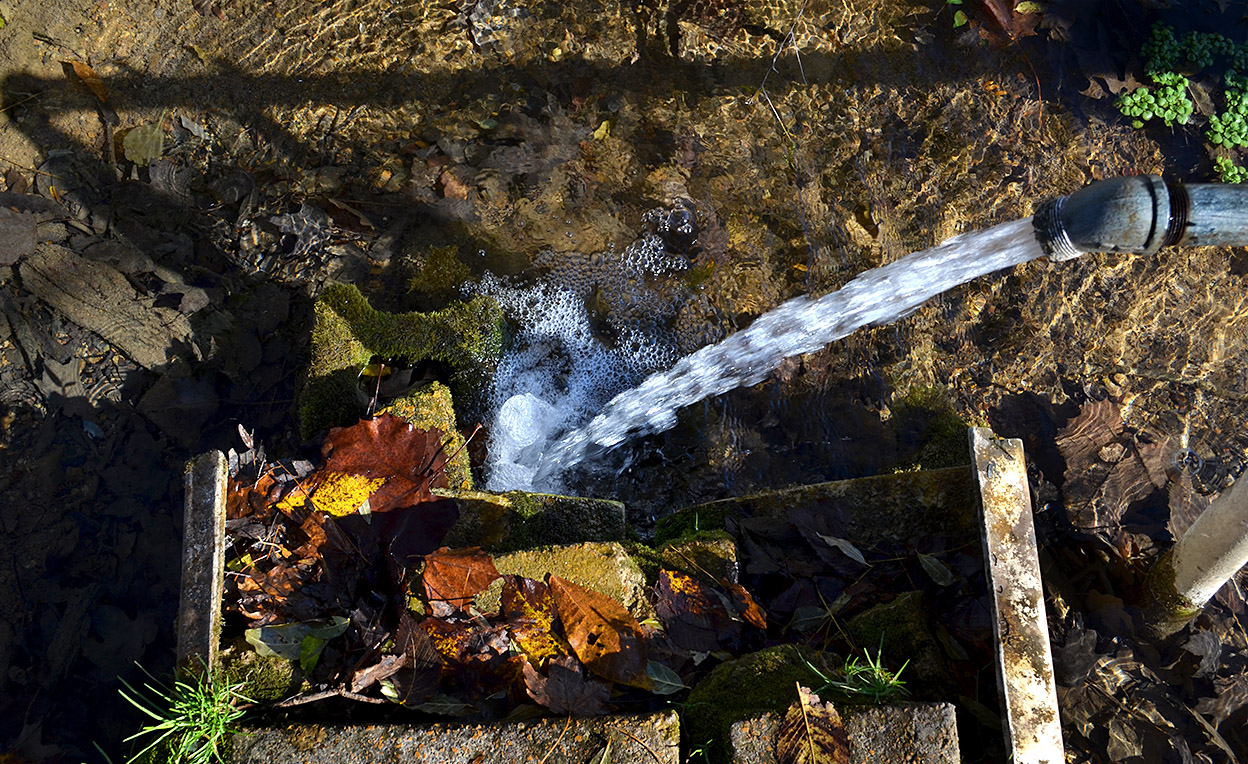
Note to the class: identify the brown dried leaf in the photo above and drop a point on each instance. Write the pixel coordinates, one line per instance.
(746, 607)
(812, 733)
(566, 690)
(87, 76)
(601, 632)
(417, 679)
(456, 576)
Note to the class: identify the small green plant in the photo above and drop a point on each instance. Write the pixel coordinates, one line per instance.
(1229, 172)
(190, 721)
(1230, 128)
(1169, 102)
(867, 679)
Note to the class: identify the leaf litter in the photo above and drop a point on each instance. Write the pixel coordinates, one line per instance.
(339, 567)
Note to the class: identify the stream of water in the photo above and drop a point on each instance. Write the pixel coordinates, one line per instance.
(801, 325)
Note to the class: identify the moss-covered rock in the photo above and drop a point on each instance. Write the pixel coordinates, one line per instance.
(263, 679)
(710, 557)
(605, 568)
(502, 522)
(879, 510)
(748, 686)
(467, 337)
(430, 407)
(902, 630)
(694, 520)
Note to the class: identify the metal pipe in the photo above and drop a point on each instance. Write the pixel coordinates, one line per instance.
(1142, 214)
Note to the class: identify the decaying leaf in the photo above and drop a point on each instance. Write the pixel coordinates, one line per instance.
(746, 607)
(416, 681)
(529, 610)
(664, 680)
(601, 632)
(456, 576)
(694, 617)
(812, 732)
(844, 546)
(286, 640)
(565, 690)
(87, 76)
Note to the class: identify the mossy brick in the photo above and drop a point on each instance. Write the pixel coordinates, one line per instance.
(710, 557)
(430, 407)
(604, 567)
(879, 510)
(694, 520)
(901, 630)
(466, 337)
(503, 522)
(754, 684)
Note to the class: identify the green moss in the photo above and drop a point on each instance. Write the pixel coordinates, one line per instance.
(440, 270)
(901, 630)
(691, 521)
(518, 520)
(709, 556)
(925, 418)
(430, 407)
(748, 686)
(264, 679)
(467, 337)
(604, 568)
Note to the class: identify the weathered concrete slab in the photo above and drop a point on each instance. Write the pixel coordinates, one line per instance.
(1024, 658)
(913, 733)
(654, 739)
(203, 563)
(882, 509)
(503, 522)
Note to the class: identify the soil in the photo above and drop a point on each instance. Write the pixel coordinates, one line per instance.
(225, 159)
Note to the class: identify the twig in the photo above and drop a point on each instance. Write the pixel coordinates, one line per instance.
(640, 742)
(559, 740)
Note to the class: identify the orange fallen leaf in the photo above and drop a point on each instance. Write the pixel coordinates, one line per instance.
(602, 633)
(455, 576)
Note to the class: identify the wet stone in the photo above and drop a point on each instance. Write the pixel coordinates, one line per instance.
(915, 733)
(654, 738)
(604, 568)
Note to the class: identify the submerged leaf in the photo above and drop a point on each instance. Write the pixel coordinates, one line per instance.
(145, 144)
(812, 733)
(663, 679)
(87, 76)
(602, 633)
(936, 570)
